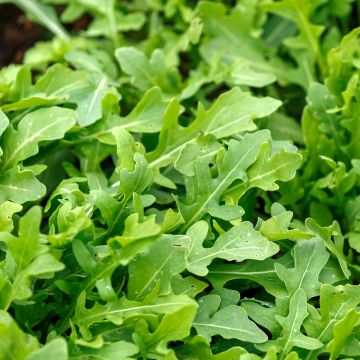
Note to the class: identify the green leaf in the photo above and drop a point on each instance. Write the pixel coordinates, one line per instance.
(39, 125)
(263, 313)
(267, 170)
(165, 258)
(26, 260)
(69, 223)
(115, 21)
(230, 39)
(136, 180)
(7, 209)
(291, 325)
(145, 72)
(261, 272)
(20, 186)
(241, 110)
(112, 351)
(243, 74)
(204, 145)
(277, 227)
(342, 330)
(320, 120)
(119, 310)
(309, 37)
(198, 347)
(4, 122)
(187, 216)
(189, 285)
(15, 344)
(135, 230)
(54, 349)
(231, 165)
(44, 15)
(335, 303)
(173, 326)
(336, 248)
(310, 257)
(240, 243)
(230, 322)
(147, 115)
(75, 86)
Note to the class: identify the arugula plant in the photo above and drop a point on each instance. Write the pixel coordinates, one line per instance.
(180, 180)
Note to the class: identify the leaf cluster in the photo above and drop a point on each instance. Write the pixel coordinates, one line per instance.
(181, 180)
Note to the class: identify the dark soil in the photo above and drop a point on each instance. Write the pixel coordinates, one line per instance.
(17, 34)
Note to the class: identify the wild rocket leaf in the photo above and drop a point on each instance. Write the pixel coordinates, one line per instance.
(39, 125)
(198, 346)
(147, 271)
(147, 115)
(266, 171)
(89, 108)
(14, 342)
(336, 246)
(170, 261)
(229, 38)
(240, 243)
(291, 325)
(27, 259)
(230, 322)
(189, 285)
(68, 223)
(186, 214)
(260, 272)
(43, 14)
(108, 20)
(308, 38)
(132, 175)
(335, 303)
(21, 143)
(7, 209)
(310, 257)
(204, 146)
(58, 85)
(241, 110)
(232, 165)
(77, 87)
(244, 162)
(121, 349)
(320, 121)
(4, 122)
(173, 326)
(20, 186)
(145, 73)
(342, 331)
(263, 313)
(55, 348)
(118, 311)
(277, 227)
